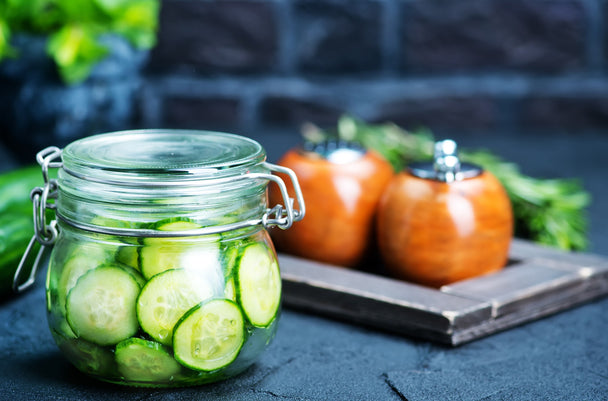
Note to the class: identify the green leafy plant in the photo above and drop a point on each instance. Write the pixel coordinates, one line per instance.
(74, 29)
(547, 211)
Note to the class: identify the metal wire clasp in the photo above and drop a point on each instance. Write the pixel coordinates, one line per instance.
(279, 215)
(45, 233)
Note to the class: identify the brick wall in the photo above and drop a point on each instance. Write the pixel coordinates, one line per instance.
(479, 66)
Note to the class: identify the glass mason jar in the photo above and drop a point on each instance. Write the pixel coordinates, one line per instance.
(162, 272)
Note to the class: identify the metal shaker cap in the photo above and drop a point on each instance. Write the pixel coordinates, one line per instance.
(336, 151)
(446, 166)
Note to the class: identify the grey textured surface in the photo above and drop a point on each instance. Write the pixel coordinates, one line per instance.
(312, 358)
(561, 357)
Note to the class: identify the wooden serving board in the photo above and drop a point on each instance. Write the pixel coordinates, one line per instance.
(537, 282)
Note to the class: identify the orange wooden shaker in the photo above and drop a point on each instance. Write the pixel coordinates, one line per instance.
(342, 184)
(444, 221)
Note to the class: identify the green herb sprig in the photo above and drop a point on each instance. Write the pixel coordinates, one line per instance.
(548, 211)
(74, 29)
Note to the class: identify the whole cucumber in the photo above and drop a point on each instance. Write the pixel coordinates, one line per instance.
(15, 188)
(15, 233)
(16, 223)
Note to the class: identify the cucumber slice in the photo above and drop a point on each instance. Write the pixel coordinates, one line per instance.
(128, 255)
(175, 224)
(162, 254)
(229, 257)
(73, 269)
(101, 306)
(259, 285)
(78, 266)
(133, 272)
(172, 254)
(230, 290)
(166, 298)
(60, 327)
(103, 221)
(80, 261)
(210, 336)
(88, 357)
(145, 361)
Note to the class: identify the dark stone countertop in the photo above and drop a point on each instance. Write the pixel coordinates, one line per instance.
(561, 357)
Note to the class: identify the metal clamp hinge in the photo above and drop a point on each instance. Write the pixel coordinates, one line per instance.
(283, 216)
(45, 233)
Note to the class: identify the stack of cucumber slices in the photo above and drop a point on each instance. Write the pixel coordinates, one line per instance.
(163, 309)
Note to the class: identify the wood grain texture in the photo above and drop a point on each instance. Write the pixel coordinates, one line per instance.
(341, 202)
(533, 285)
(435, 233)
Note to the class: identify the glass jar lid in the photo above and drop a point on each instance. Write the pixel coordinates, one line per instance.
(142, 176)
(133, 157)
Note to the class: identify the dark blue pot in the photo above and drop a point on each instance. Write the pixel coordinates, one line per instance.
(38, 110)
